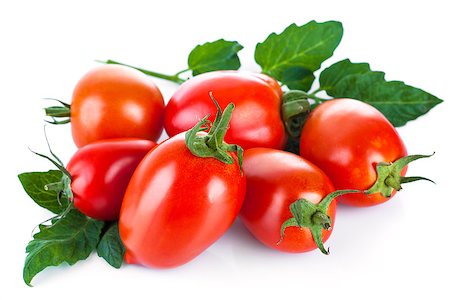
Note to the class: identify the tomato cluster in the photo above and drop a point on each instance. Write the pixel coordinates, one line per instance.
(174, 199)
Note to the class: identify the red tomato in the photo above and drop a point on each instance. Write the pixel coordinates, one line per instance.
(177, 203)
(100, 173)
(347, 138)
(276, 179)
(114, 101)
(256, 120)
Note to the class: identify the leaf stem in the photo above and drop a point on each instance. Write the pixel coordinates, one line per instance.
(316, 99)
(174, 78)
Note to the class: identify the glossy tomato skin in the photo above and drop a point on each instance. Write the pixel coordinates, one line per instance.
(346, 138)
(256, 120)
(275, 179)
(177, 205)
(100, 174)
(113, 101)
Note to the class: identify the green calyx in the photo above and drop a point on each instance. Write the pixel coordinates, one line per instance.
(389, 178)
(59, 114)
(62, 187)
(295, 108)
(313, 216)
(212, 144)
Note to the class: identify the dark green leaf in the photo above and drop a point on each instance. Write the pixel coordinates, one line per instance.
(336, 72)
(298, 48)
(297, 78)
(399, 102)
(111, 247)
(213, 56)
(33, 184)
(70, 239)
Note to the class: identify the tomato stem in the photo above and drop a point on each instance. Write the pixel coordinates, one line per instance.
(316, 99)
(59, 114)
(313, 216)
(322, 219)
(212, 144)
(174, 78)
(295, 108)
(389, 176)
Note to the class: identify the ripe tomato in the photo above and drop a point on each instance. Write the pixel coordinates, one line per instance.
(181, 198)
(347, 139)
(113, 101)
(275, 180)
(100, 173)
(256, 121)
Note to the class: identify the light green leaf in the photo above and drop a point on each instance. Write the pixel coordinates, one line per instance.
(213, 56)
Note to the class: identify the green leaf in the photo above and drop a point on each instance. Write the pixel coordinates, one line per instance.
(33, 184)
(336, 72)
(70, 239)
(213, 56)
(293, 55)
(399, 102)
(111, 247)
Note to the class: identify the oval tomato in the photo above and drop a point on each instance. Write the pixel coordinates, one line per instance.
(114, 101)
(256, 120)
(347, 139)
(275, 180)
(100, 173)
(178, 203)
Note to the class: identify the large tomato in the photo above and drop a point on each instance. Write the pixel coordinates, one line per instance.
(114, 101)
(183, 196)
(275, 180)
(100, 172)
(347, 139)
(256, 121)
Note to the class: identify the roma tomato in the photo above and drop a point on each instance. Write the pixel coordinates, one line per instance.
(286, 193)
(100, 172)
(114, 101)
(256, 121)
(358, 148)
(183, 196)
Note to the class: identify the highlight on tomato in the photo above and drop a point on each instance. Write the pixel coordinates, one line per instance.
(358, 148)
(183, 196)
(112, 101)
(289, 203)
(97, 175)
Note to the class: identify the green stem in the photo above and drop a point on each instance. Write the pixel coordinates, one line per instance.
(313, 216)
(317, 91)
(319, 218)
(174, 78)
(316, 99)
(213, 144)
(57, 111)
(294, 110)
(389, 175)
(55, 186)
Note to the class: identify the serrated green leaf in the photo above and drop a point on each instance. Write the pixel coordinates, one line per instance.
(111, 247)
(399, 102)
(33, 184)
(70, 239)
(213, 56)
(332, 75)
(303, 47)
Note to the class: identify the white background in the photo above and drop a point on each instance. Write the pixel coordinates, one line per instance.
(398, 249)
